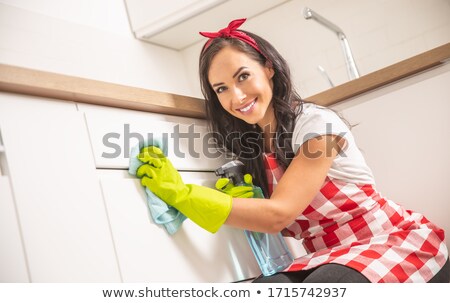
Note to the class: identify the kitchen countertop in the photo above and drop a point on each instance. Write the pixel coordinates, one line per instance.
(45, 84)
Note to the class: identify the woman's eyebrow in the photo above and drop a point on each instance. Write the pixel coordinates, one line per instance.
(239, 70)
(234, 75)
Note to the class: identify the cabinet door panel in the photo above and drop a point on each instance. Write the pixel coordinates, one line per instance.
(59, 202)
(114, 132)
(12, 258)
(147, 253)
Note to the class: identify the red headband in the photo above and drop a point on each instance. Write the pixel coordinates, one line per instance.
(231, 32)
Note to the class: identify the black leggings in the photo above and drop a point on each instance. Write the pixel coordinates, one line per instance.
(327, 273)
(336, 273)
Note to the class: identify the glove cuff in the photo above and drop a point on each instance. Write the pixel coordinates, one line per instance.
(207, 207)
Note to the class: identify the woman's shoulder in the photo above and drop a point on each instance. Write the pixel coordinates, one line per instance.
(307, 108)
(312, 112)
(315, 120)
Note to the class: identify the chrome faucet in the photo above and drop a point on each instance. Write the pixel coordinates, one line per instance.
(352, 70)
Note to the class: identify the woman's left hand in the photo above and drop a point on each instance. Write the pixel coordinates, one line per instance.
(243, 191)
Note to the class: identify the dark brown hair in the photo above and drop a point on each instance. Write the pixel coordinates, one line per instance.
(227, 129)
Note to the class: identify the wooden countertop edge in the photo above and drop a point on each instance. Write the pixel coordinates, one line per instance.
(46, 84)
(384, 76)
(52, 85)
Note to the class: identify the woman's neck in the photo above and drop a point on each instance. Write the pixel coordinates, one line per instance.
(269, 133)
(268, 125)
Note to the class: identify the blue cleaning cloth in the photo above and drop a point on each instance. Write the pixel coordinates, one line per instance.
(161, 213)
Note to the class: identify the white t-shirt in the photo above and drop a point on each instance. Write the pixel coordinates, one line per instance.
(349, 165)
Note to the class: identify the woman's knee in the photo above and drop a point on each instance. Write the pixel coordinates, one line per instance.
(335, 273)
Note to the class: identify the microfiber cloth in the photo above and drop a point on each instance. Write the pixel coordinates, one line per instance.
(161, 213)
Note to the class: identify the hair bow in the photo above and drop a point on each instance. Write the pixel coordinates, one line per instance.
(231, 32)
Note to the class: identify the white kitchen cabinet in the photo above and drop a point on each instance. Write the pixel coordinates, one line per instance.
(71, 215)
(175, 24)
(13, 266)
(147, 253)
(115, 131)
(62, 216)
(145, 12)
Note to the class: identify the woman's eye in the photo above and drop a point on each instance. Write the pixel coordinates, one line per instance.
(220, 89)
(243, 76)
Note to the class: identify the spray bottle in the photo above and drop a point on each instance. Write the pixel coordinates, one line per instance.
(270, 250)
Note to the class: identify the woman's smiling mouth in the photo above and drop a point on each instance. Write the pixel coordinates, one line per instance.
(248, 107)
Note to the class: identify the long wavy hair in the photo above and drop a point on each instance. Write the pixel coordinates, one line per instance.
(234, 135)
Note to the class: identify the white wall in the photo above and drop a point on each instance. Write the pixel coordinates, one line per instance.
(106, 15)
(86, 38)
(380, 33)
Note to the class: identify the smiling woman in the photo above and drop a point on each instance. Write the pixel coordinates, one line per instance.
(254, 89)
(324, 196)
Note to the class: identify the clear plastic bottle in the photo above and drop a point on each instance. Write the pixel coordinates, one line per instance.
(270, 250)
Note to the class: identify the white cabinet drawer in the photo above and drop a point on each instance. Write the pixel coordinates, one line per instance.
(147, 253)
(114, 132)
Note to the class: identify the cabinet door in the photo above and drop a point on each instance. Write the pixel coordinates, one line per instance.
(59, 202)
(115, 131)
(12, 258)
(175, 24)
(147, 253)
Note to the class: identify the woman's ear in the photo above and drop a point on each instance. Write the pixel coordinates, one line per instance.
(269, 69)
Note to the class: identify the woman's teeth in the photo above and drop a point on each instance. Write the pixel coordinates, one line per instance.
(247, 107)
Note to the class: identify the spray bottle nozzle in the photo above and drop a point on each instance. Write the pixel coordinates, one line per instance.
(233, 170)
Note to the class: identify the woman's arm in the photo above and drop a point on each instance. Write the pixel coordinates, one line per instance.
(299, 185)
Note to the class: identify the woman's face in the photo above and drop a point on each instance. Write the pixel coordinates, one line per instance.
(243, 86)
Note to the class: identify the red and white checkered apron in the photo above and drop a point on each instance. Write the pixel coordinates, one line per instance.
(352, 225)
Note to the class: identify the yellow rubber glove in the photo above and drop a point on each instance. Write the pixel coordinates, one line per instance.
(205, 206)
(242, 191)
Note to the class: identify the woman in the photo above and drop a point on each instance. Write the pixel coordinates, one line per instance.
(305, 159)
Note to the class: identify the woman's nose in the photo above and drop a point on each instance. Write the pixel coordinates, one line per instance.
(239, 96)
